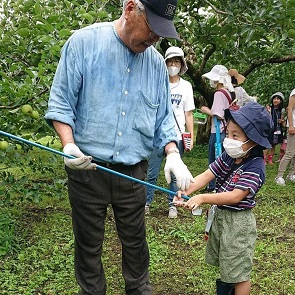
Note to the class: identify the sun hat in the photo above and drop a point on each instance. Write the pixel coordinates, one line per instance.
(220, 74)
(216, 72)
(160, 16)
(234, 73)
(255, 121)
(176, 51)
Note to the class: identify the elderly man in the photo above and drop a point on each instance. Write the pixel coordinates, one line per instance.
(109, 104)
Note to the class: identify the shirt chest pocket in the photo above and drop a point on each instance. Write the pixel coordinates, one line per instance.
(145, 116)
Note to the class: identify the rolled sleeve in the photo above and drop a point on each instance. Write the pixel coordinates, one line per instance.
(65, 89)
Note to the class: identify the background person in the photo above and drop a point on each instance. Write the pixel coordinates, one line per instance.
(289, 157)
(283, 145)
(220, 80)
(182, 101)
(242, 97)
(239, 174)
(276, 137)
(109, 102)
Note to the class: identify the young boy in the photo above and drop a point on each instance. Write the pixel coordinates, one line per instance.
(239, 174)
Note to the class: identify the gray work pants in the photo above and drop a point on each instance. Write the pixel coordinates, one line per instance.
(90, 193)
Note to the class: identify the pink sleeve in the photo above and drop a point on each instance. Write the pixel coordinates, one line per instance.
(220, 103)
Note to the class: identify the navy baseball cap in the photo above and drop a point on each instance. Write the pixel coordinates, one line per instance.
(255, 121)
(160, 14)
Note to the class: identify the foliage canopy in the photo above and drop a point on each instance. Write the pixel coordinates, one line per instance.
(257, 38)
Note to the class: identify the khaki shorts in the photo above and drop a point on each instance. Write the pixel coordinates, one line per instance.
(231, 244)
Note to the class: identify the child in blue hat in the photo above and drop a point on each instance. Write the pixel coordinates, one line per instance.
(239, 174)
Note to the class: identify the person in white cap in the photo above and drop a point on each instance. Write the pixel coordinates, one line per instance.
(242, 97)
(110, 105)
(182, 101)
(220, 80)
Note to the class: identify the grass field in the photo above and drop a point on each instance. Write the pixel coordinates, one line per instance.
(36, 240)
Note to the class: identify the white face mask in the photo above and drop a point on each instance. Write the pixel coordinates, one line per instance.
(213, 84)
(173, 71)
(234, 148)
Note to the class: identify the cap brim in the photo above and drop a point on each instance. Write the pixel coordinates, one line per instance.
(161, 26)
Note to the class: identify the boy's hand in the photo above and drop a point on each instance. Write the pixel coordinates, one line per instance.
(194, 202)
(178, 200)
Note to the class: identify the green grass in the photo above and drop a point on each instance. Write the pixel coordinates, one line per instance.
(36, 239)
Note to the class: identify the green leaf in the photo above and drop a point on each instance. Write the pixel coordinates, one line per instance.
(64, 32)
(37, 8)
(87, 16)
(23, 32)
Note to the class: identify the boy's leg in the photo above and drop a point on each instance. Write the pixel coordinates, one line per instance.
(223, 288)
(243, 288)
(237, 242)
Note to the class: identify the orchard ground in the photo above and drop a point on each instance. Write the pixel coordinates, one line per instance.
(36, 240)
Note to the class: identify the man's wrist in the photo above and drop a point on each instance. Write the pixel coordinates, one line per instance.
(172, 150)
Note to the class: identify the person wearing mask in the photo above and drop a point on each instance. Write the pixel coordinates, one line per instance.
(240, 173)
(219, 80)
(182, 101)
(289, 156)
(109, 104)
(242, 97)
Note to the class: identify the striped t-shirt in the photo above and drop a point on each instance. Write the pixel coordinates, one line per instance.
(250, 174)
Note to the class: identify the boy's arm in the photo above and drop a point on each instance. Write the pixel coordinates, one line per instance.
(201, 180)
(224, 198)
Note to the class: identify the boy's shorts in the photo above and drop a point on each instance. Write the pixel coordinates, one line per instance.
(231, 244)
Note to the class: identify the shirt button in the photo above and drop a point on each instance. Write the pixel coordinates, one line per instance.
(123, 113)
(117, 153)
(126, 92)
(119, 133)
(128, 70)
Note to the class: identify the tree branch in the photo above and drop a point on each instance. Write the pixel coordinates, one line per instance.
(17, 105)
(215, 8)
(207, 55)
(273, 60)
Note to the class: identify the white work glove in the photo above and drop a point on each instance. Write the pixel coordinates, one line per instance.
(175, 165)
(81, 162)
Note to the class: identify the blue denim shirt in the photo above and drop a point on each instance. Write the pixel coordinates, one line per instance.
(116, 101)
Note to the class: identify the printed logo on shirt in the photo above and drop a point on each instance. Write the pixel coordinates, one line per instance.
(176, 99)
(235, 178)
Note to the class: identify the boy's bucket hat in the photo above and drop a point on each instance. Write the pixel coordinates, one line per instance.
(255, 121)
(176, 51)
(160, 16)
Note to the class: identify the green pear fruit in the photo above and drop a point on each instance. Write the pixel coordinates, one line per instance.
(3, 145)
(26, 109)
(34, 115)
(291, 33)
